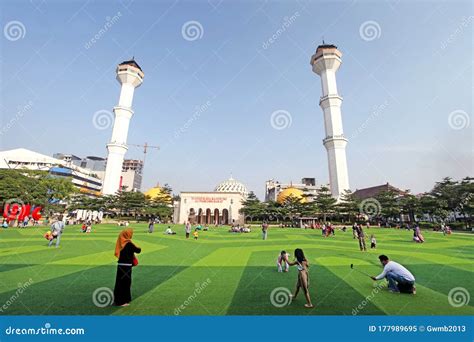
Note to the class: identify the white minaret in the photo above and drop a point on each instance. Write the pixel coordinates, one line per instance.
(325, 63)
(130, 76)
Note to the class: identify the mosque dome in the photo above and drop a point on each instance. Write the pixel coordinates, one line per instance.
(232, 185)
(291, 191)
(158, 192)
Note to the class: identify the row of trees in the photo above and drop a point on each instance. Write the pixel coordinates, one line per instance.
(448, 200)
(54, 194)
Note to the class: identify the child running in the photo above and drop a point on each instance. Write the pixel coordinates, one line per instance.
(303, 276)
(195, 234)
(282, 259)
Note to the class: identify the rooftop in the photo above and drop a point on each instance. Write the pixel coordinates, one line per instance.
(133, 63)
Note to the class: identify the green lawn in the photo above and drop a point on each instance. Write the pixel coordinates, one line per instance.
(235, 272)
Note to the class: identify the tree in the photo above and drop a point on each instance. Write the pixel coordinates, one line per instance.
(409, 205)
(348, 205)
(324, 201)
(273, 211)
(447, 192)
(293, 206)
(35, 188)
(252, 207)
(388, 205)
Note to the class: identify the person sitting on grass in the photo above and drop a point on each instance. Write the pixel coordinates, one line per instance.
(399, 278)
(169, 231)
(303, 276)
(282, 259)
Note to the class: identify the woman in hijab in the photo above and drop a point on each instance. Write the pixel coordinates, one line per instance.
(125, 252)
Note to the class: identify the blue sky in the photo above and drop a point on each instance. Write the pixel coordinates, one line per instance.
(407, 89)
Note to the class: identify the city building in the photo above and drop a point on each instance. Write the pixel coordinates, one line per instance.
(22, 159)
(221, 206)
(274, 189)
(132, 169)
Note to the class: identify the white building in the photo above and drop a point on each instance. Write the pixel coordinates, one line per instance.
(22, 159)
(220, 206)
(273, 188)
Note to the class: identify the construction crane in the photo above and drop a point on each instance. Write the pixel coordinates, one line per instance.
(145, 151)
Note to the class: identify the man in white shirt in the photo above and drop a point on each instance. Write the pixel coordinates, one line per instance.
(399, 278)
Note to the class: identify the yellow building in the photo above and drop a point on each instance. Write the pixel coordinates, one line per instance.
(158, 193)
(291, 191)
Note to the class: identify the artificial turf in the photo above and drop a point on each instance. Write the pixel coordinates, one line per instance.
(236, 273)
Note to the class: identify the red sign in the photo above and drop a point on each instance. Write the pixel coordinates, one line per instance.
(16, 211)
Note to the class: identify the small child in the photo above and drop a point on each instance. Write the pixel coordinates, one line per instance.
(373, 241)
(48, 236)
(195, 234)
(283, 259)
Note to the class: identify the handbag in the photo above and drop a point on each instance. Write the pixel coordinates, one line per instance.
(134, 261)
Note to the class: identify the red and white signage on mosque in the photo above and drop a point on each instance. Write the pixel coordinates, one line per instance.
(209, 199)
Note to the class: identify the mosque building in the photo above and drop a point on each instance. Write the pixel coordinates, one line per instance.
(221, 206)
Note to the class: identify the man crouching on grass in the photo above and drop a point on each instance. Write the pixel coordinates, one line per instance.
(399, 278)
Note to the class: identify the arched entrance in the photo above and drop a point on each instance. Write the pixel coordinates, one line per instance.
(208, 216)
(192, 216)
(225, 216)
(216, 217)
(199, 217)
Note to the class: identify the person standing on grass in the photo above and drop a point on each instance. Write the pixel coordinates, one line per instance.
(151, 225)
(303, 276)
(399, 278)
(264, 230)
(187, 229)
(57, 229)
(125, 251)
(354, 231)
(361, 237)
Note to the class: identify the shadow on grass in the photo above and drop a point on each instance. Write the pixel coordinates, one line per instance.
(72, 294)
(330, 294)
